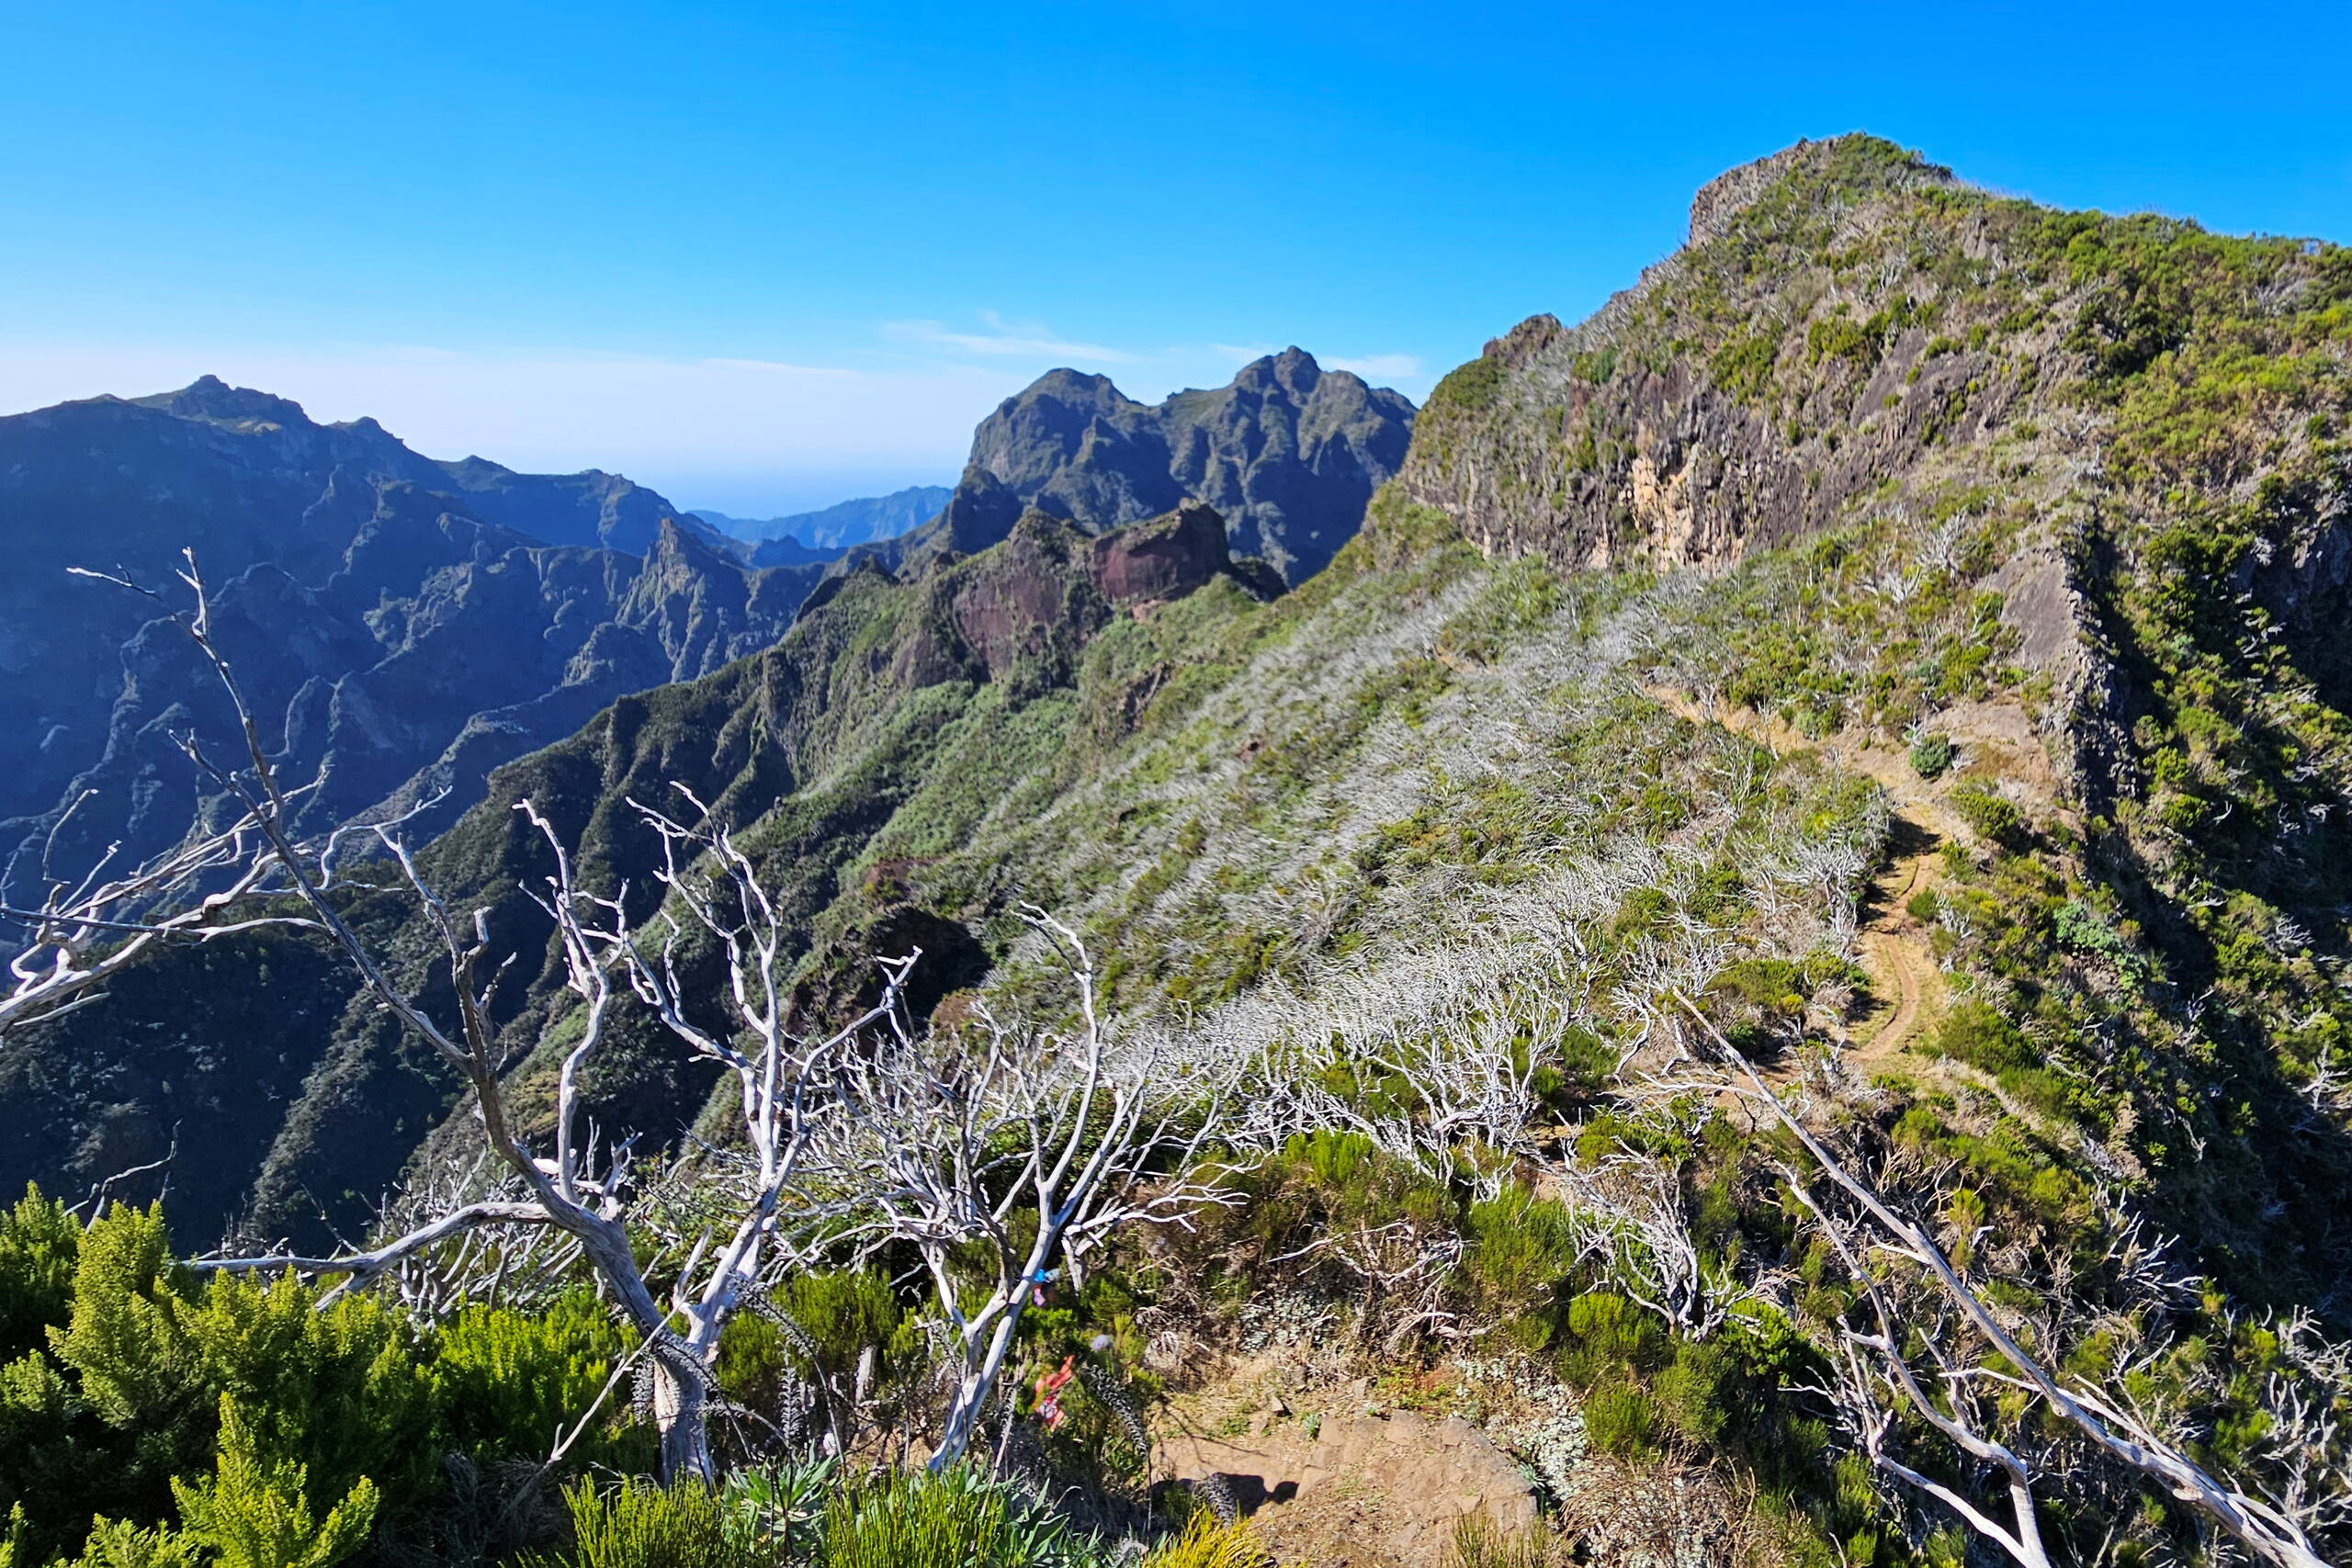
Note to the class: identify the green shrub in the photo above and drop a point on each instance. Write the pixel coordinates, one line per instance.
(958, 1519)
(1473, 386)
(1585, 1060)
(1994, 817)
(1476, 1543)
(1596, 366)
(118, 1543)
(1931, 755)
(343, 1390)
(125, 1402)
(1773, 984)
(255, 1512)
(1329, 1180)
(1743, 366)
(841, 1311)
(1519, 1247)
(503, 1380)
(1620, 1419)
(1839, 336)
(39, 1244)
(643, 1524)
(1204, 1543)
(1695, 1393)
(1610, 1339)
(1977, 1034)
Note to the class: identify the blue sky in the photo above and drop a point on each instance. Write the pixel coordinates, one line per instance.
(766, 257)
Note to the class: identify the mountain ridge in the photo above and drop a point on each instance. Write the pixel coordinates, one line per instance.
(863, 520)
(352, 573)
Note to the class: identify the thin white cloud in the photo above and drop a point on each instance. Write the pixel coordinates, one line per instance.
(1243, 353)
(782, 367)
(1382, 367)
(1024, 340)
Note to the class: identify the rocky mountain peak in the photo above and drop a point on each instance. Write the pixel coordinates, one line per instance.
(1753, 387)
(1855, 164)
(1080, 388)
(1293, 370)
(210, 398)
(1286, 454)
(672, 543)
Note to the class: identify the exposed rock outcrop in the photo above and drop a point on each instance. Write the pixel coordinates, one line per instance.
(1166, 559)
(1288, 453)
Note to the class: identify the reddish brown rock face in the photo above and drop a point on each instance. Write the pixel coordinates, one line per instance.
(1049, 586)
(1165, 558)
(1013, 601)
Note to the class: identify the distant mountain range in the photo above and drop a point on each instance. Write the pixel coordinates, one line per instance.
(402, 624)
(1287, 453)
(840, 525)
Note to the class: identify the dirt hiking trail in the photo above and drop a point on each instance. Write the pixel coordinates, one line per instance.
(1896, 947)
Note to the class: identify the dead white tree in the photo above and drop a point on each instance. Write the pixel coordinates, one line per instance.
(1625, 1209)
(784, 1082)
(90, 926)
(522, 1266)
(1872, 1382)
(565, 1187)
(2259, 1525)
(1433, 1058)
(776, 1073)
(1027, 1146)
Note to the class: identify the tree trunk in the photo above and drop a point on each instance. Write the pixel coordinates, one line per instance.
(681, 1417)
(972, 1392)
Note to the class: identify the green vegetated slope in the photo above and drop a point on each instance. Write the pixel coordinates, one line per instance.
(1878, 458)
(1964, 447)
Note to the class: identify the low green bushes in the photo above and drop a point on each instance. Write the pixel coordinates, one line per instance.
(640, 1524)
(212, 1408)
(912, 1519)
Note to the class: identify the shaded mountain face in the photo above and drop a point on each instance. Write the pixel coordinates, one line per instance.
(402, 626)
(883, 690)
(859, 522)
(593, 509)
(1288, 453)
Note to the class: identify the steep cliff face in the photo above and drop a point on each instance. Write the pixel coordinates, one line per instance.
(1754, 385)
(1163, 559)
(1852, 334)
(1288, 453)
(402, 626)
